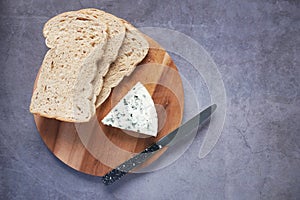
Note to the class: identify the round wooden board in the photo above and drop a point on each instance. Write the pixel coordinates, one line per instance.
(95, 149)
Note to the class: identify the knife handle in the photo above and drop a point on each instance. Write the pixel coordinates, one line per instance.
(130, 164)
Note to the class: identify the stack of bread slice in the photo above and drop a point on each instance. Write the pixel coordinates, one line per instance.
(90, 52)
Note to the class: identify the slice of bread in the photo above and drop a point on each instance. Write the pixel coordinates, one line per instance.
(64, 88)
(116, 35)
(133, 50)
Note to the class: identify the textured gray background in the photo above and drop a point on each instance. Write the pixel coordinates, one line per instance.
(256, 46)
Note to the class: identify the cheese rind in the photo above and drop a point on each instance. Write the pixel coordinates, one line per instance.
(134, 112)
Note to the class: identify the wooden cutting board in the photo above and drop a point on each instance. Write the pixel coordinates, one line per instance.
(95, 149)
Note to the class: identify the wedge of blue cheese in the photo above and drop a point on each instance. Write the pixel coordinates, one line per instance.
(134, 112)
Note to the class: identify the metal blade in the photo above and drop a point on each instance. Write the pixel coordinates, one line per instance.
(169, 139)
(186, 129)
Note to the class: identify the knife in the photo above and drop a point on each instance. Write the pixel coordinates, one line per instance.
(168, 140)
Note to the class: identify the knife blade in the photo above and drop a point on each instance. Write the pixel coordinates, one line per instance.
(168, 140)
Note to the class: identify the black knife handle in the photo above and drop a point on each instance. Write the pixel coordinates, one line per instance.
(130, 164)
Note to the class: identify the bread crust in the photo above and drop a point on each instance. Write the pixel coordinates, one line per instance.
(133, 50)
(64, 88)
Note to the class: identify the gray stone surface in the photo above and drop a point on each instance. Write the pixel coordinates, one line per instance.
(256, 46)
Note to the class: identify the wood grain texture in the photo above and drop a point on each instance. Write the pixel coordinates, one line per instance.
(95, 149)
